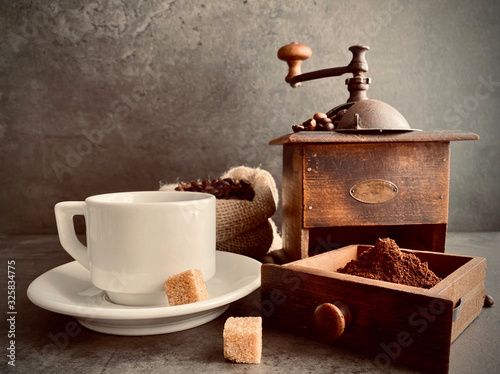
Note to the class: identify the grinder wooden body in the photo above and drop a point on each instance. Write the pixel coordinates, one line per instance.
(344, 188)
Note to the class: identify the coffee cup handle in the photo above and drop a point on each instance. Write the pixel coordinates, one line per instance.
(65, 211)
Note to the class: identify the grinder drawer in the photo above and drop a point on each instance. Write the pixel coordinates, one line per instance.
(389, 322)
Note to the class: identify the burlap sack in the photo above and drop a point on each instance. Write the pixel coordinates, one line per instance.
(254, 242)
(245, 227)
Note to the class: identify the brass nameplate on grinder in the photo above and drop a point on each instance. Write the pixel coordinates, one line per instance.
(373, 191)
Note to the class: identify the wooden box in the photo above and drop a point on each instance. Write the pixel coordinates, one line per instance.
(389, 322)
(343, 188)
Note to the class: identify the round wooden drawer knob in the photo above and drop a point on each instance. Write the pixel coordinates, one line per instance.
(332, 318)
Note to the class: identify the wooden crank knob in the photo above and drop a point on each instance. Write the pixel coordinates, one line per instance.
(332, 318)
(294, 53)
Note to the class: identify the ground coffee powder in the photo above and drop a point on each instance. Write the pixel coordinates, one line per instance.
(386, 262)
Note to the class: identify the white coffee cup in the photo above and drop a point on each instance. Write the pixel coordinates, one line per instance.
(136, 240)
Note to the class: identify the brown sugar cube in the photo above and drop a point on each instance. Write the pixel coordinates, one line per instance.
(186, 287)
(243, 339)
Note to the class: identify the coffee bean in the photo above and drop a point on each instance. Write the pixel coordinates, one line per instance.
(227, 188)
(329, 126)
(310, 124)
(297, 128)
(319, 116)
(488, 301)
(320, 122)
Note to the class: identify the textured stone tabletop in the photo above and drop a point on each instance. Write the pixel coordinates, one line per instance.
(42, 344)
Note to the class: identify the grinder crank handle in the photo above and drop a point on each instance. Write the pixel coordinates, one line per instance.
(294, 53)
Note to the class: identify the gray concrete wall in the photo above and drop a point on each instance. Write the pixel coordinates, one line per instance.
(101, 96)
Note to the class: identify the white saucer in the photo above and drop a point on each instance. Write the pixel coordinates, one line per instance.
(67, 290)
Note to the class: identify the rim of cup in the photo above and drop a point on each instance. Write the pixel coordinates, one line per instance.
(187, 197)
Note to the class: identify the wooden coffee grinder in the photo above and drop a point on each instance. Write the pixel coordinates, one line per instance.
(365, 175)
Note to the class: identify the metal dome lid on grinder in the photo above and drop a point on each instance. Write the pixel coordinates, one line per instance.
(358, 114)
